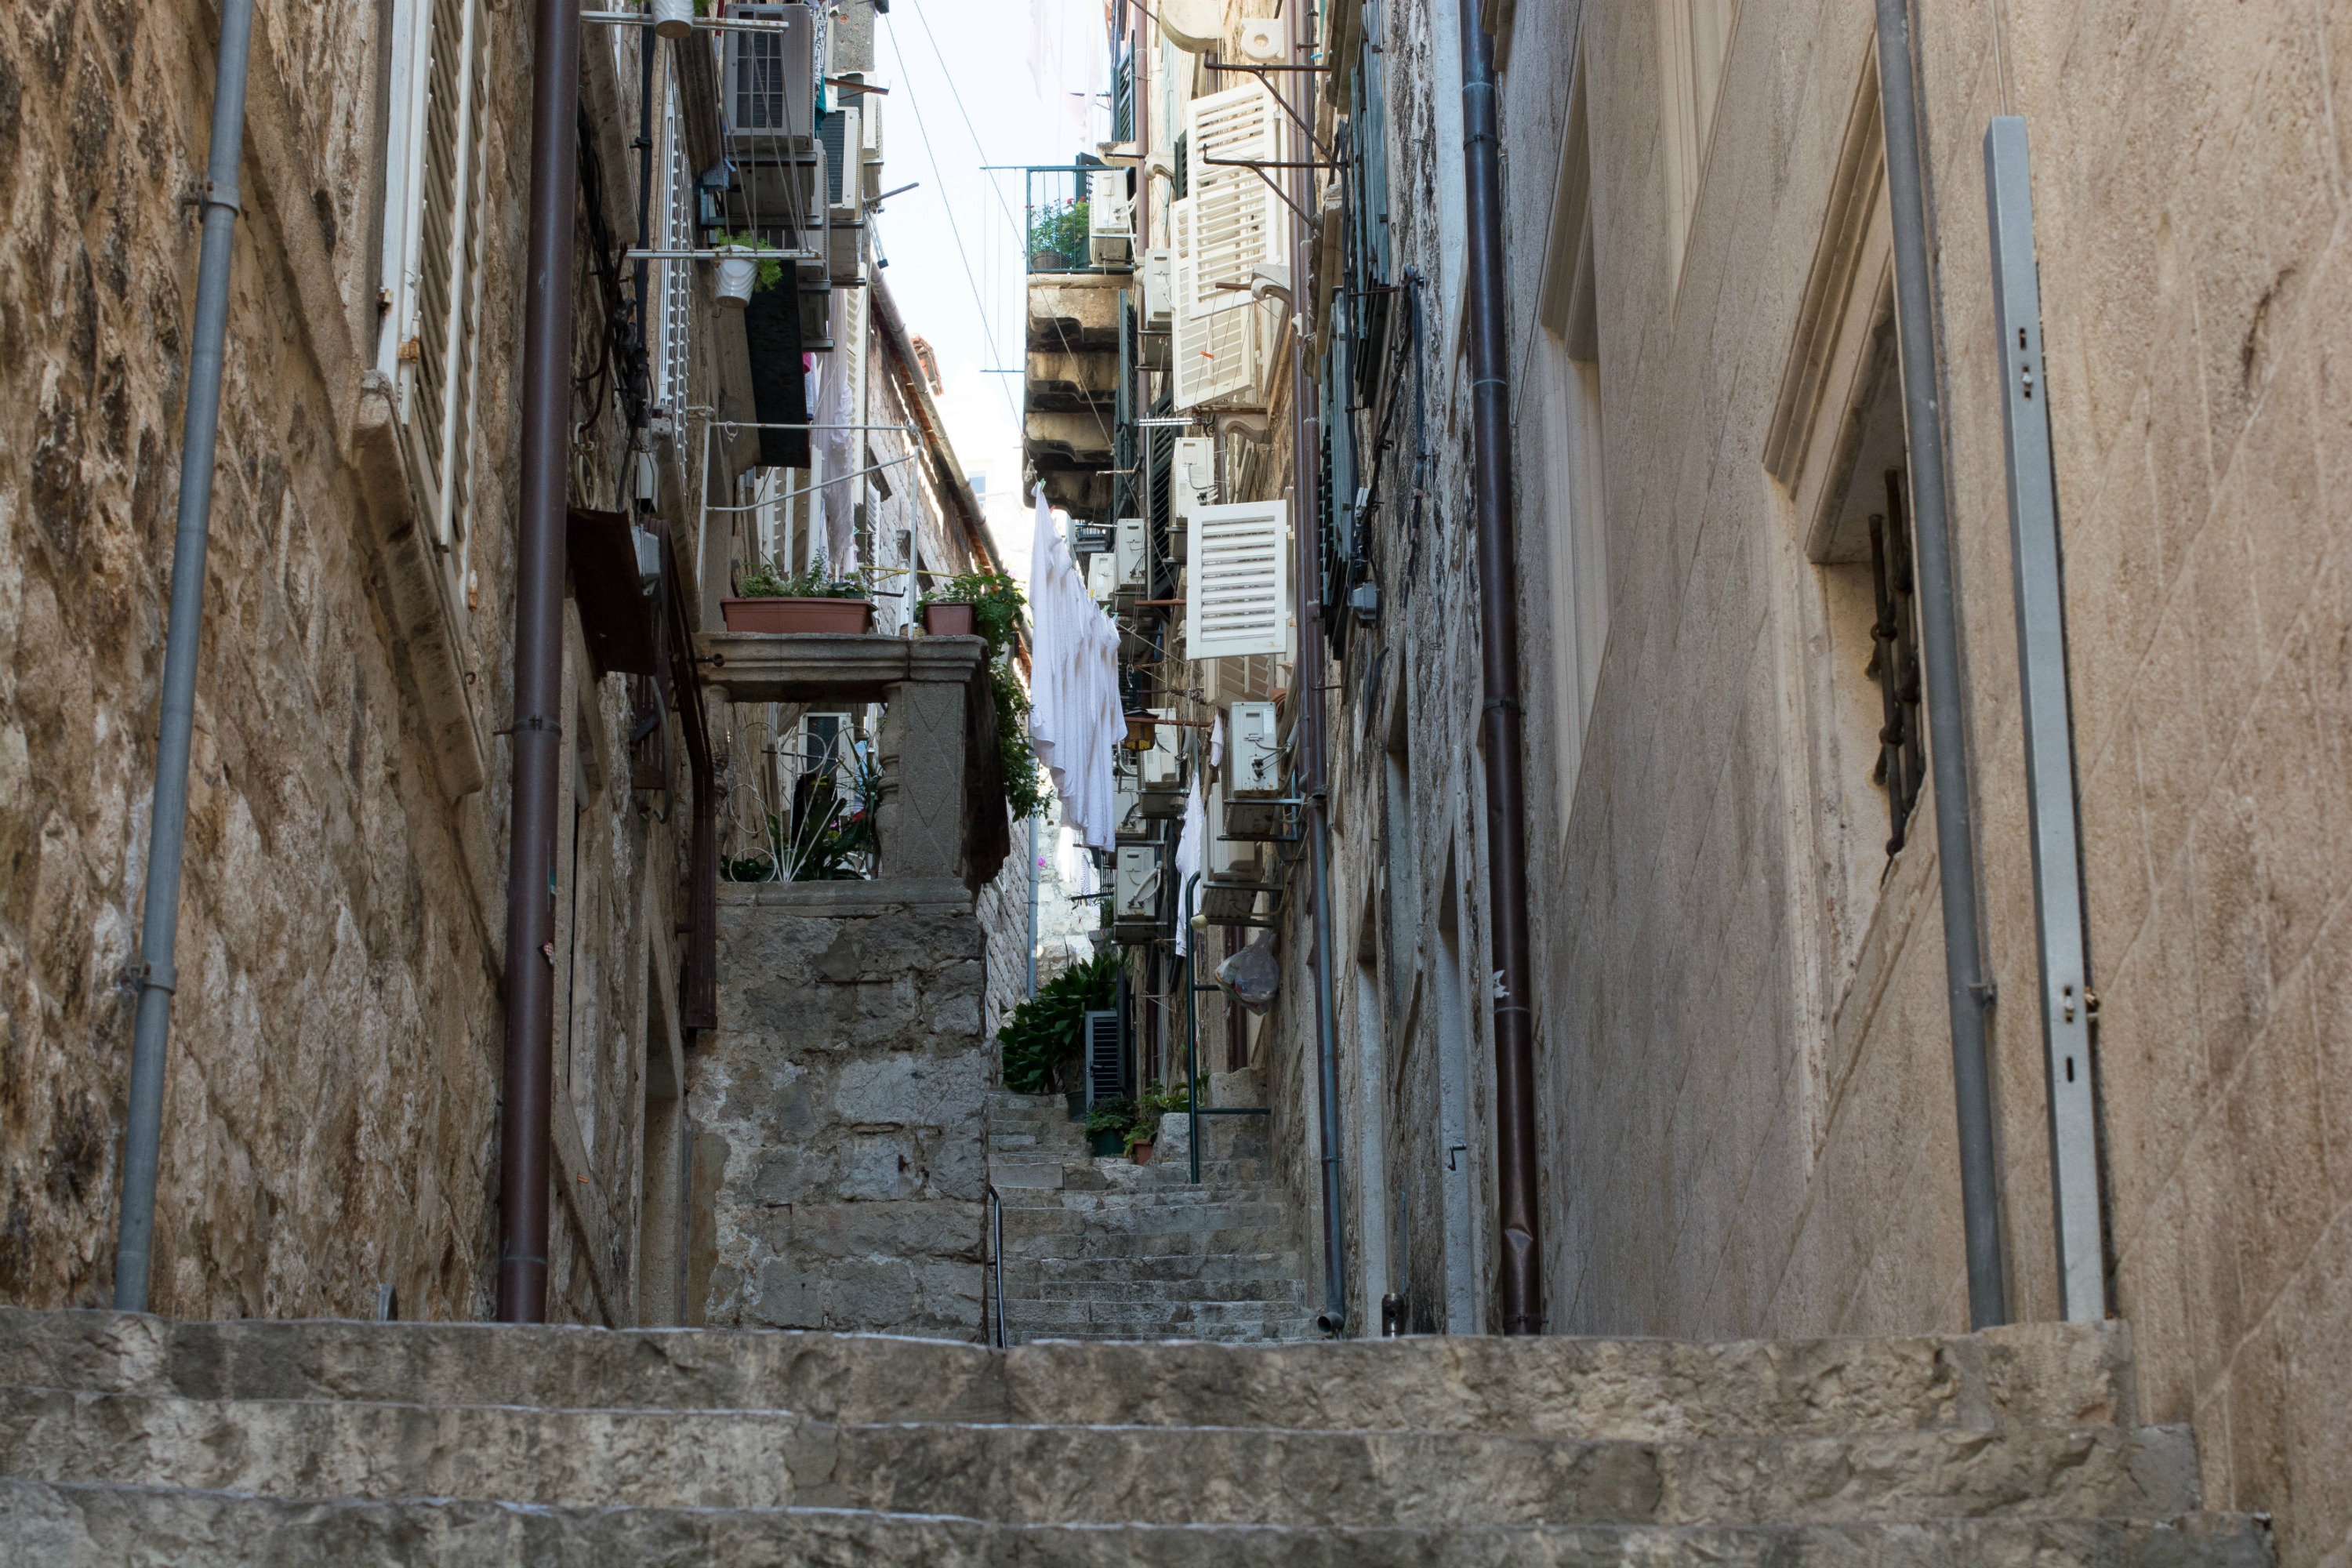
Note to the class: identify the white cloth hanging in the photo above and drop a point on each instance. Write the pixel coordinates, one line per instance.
(1076, 719)
(837, 450)
(1191, 843)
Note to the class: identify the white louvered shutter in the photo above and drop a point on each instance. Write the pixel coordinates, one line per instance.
(1212, 352)
(1237, 581)
(1236, 224)
(432, 249)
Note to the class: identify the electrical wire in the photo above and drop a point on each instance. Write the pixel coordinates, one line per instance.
(947, 205)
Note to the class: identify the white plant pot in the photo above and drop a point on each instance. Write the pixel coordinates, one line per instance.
(739, 271)
(672, 19)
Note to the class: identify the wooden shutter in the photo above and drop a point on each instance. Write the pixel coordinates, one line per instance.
(1106, 1058)
(1214, 353)
(1237, 581)
(441, 285)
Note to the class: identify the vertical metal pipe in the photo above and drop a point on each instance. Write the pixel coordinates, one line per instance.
(1518, 1269)
(1032, 902)
(159, 931)
(1191, 1029)
(1939, 641)
(1307, 599)
(2037, 568)
(538, 731)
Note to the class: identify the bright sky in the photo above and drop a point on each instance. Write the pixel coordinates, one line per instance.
(976, 82)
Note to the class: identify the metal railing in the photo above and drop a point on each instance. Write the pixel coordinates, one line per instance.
(1002, 1337)
(1193, 988)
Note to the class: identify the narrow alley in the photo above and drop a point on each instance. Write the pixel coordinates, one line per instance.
(1094, 782)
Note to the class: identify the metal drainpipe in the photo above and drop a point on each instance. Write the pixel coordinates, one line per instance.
(1923, 429)
(538, 733)
(1307, 596)
(1519, 1271)
(159, 932)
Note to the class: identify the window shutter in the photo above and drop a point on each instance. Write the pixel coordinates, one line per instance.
(1235, 227)
(1238, 580)
(1214, 354)
(437, 289)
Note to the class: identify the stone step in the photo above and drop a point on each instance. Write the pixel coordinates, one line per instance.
(344, 1447)
(1128, 1475)
(2030, 1375)
(85, 1527)
(1069, 1473)
(1188, 1267)
(1265, 1288)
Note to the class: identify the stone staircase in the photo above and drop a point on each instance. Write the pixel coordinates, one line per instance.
(1107, 1250)
(134, 1440)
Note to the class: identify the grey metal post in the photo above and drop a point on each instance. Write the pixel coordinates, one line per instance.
(1032, 902)
(1939, 641)
(2037, 570)
(167, 836)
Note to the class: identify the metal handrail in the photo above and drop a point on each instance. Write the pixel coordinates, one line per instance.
(1003, 1339)
(1192, 987)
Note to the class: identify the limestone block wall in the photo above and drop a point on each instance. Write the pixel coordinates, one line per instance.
(840, 1105)
(331, 1111)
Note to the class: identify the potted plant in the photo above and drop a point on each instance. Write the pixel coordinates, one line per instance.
(674, 19)
(813, 601)
(993, 603)
(1110, 1129)
(744, 264)
(1143, 1132)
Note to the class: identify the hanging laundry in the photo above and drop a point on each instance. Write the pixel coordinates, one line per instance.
(1076, 719)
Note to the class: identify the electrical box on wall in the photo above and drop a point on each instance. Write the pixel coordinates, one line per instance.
(1102, 577)
(1253, 760)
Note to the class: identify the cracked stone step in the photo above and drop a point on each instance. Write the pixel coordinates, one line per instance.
(85, 1527)
(341, 1448)
(1076, 1475)
(2030, 1375)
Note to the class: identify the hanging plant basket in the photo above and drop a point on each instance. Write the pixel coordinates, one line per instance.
(738, 273)
(672, 19)
(788, 616)
(949, 621)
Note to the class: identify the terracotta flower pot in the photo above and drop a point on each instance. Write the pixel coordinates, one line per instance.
(1143, 1153)
(787, 615)
(948, 620)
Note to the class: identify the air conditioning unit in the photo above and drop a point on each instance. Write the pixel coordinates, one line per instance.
(1133, 827)
(1158, 290)
(1252, 774)
(1192, 475)
(771, 78)
(869, 157)
(1239, 861)
(1102, 577)
(1138, 893)
(1264, 42)
(1159, 769)
(1110, 219)
(1131, 552)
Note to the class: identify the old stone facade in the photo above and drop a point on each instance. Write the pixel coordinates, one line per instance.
(331, 1127)
(1746, 1109)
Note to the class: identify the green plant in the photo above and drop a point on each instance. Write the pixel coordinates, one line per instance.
(833, 837)
(1061, 228)
(1044, 1029)
(1157, 1101)
(1114, 1116)
(771, 271)
(996, 604)
(762, 580)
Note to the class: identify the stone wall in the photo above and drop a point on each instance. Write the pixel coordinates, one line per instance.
(331, 1111)
(843, 1092)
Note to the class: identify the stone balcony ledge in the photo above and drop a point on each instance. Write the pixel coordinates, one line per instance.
(941, 817)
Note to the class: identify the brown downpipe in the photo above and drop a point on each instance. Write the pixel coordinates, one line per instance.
(1518, 1271)
(537, 731)
(1306, 595)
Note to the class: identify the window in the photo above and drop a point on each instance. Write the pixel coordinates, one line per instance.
(1565, 387)
(1693, 37)
(432, 258)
